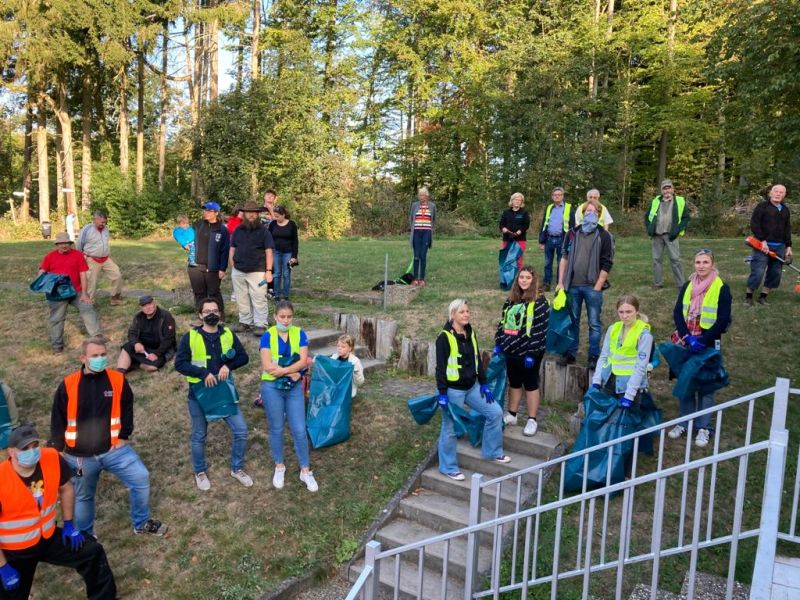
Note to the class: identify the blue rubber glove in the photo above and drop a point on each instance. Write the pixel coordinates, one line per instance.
(498, 349)
(71, 537)
(10, 577)
(624, 402)
(694, 344)
(487, 393)
(529, 362)
(443, 401)
(596, 386)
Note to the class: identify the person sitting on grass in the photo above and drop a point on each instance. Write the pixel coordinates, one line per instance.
(344, 352)
(151, 338)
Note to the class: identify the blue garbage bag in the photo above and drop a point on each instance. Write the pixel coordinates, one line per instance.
(605, 420)
(559, 331)
(507, 259)
(219, 401)
(55, 287)
(423, 407)
(701, 373)
(330, 402)
(5, 420)
(496, 378)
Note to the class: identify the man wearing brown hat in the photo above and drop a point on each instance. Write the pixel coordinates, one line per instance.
(151, 338)
(666, 221)
(65, 260)
(251, 255)
(32, 482)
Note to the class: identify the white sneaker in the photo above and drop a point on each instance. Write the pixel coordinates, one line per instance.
(531, 427)
(676, 432)
(701, 441)
(308, 479)
(202, 481)
(277, 478)
(242, 478)
(509, 419)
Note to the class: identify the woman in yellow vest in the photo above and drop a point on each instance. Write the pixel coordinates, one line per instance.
(622, 366)
(284, 355)
(461, 379)
(702, 314)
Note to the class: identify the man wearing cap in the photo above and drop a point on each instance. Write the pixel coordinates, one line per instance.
(94, 243)
(151, 338)
(251, 255)
(32, 482)
(91, 422)
(211, 260)
(665, 222)
(65, 260)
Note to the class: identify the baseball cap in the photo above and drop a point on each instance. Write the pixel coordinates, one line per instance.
(211, 206)
(666, 183)
(22, 436)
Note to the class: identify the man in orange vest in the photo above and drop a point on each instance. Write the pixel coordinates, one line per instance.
(91, 422)
(32, 481)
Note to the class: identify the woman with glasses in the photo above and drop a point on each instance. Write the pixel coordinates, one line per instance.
(702, 314)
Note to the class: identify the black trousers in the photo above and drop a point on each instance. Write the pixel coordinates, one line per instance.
(205, 284)
(90, 561)
(138, 359)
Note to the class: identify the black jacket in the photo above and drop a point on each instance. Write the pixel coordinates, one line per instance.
(770, 224)
(211, 245)
(522, 344)
(165, 326)
(467, 374)
(183, 359)
(515, 221)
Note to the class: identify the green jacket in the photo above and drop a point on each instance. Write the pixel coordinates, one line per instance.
(680, 217)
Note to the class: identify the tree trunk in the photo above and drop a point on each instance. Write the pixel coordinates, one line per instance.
(86, 140)
(139, 121)
(162, 118)
(240, 63)
(124, 130)
(27, 155)
(593, 74)
(194, 110)
(330, 49)
(59, 166)
(662, 156)
(255, 52)
(721, 158)
(662, 143)
(100, 112)
(62, 114)
(213, 56)
(609, 33)
(41, 154)
(198, 66)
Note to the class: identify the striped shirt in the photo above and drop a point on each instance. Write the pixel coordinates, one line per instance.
(423, 219)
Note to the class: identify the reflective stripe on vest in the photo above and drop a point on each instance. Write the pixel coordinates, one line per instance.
(708, 311)
(564, 223)
(274, 353)
(197, 347)
(680, 202)
(622, 358)
(22, 523)
(452, 360)
(71, 383)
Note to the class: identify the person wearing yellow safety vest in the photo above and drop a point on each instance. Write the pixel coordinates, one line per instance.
(702, 314)
(206, 356)
(559, 218)
(32, 482)
(666, 221)
(593, 196)
(622, 366)
(520, 338)
(461, 379)
(91, 422)
(284, 359)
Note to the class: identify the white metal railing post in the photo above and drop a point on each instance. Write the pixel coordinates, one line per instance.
(761, 588)
(373, 584)
(472, 538)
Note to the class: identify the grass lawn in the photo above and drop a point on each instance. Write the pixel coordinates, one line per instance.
(237, 543)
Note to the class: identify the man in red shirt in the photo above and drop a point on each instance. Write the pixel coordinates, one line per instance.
(65, 260)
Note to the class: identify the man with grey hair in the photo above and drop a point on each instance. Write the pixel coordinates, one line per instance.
(422, 218)
(559, 218)
(665, 222)
(94, 243)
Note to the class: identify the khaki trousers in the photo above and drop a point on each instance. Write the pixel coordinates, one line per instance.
(110, 269)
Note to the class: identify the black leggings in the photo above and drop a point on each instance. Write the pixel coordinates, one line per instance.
(205, 284)
(519, 376)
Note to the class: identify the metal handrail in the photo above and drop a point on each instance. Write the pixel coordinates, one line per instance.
(358, 586)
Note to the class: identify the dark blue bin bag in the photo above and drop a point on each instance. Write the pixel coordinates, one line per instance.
(5, 420)
(496, 378)
(55, 287)
(559, 331)
(507, 259)
(423, 408)
(219, 401)
(330, 402)
(701, 373)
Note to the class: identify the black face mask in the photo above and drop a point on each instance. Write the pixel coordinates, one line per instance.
(211, 319)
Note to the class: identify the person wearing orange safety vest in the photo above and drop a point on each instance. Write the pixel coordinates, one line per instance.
(91, 422)
(32, 481)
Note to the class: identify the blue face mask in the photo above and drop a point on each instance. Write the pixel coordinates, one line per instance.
(282, 327)
(97, 363)
(29, 458)
(589, 222)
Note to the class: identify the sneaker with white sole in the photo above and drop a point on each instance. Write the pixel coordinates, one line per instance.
(308, 479)
(201, 479)
(456, 476)
(277, 477)
(153, 527)
(509, 419)
(531, 427)
(503, 459)
(701, 441)
(242, 478)
(676, 432)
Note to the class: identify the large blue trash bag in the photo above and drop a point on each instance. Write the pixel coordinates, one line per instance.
(330, 402)
(701, 373)
(507, 259)
(423, 407)
(496, 378)
(55, 287)
(605, 420)
(559, 331)
(5, 420)
(219, 401)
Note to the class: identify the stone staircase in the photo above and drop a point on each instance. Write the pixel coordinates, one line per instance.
(322, 342)
(439, 505)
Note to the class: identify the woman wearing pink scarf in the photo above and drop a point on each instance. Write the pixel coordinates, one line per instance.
(702, 314)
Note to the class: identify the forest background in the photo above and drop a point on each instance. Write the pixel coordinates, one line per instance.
(346, 107)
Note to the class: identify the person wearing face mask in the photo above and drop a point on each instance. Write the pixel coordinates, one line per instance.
(32, 482)
(91, 423)
(587, 258)
(593, 197)
(206, 356)
(94, 243)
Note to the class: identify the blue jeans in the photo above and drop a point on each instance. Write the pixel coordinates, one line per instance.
(492, 443)
(695, 403)
(762, 263)
(579, 294)
(236, 424)
(129, 469)
(283, 274)
(291, 405)
(552, 249)
(421, 241)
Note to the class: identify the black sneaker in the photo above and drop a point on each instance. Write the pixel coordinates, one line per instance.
(591, 363)
(152, 527)
(762, 300)
(748, 301)
(565, 359)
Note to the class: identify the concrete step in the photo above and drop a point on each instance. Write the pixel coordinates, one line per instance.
(709, 587)
(320, 338)
(543, 445)
(435, 481)
(786, 578)
(408, 588)
(438, 512)
(373, 365)
(400, 532)
(470, 458)
(361, 352)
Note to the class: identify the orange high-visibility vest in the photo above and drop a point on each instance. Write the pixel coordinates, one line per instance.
(22, 522)
(71, 382)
